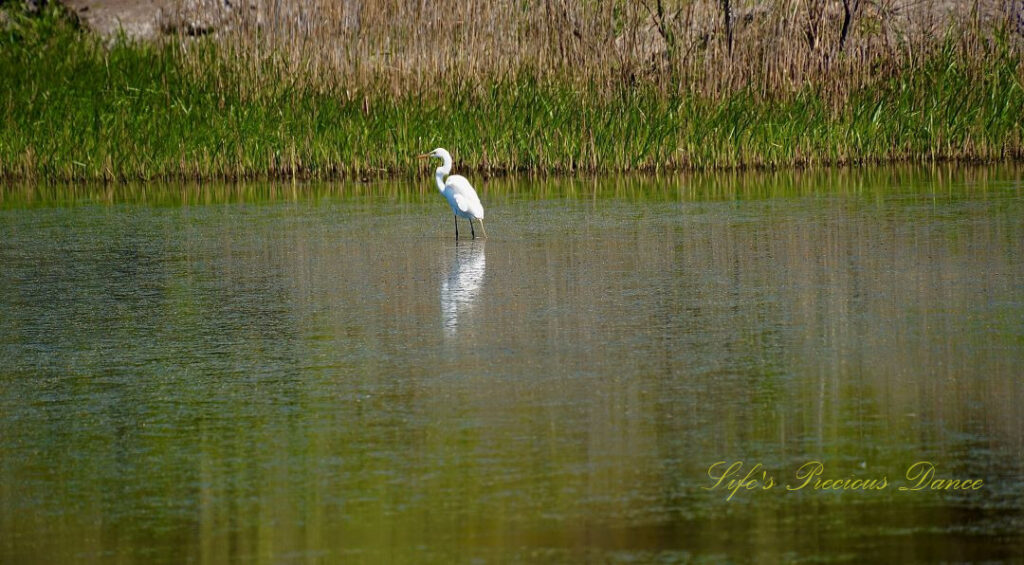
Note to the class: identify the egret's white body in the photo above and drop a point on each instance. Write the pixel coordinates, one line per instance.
(458, 192)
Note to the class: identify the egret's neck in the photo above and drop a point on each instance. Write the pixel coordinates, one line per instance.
(442, 172)
(439, 175)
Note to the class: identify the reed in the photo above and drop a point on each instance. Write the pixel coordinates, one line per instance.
(325, 91)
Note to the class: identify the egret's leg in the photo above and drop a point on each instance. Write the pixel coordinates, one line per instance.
(456, 228)
(481, 220)
(471, 228)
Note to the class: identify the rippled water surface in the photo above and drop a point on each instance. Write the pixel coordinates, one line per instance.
(318, 373)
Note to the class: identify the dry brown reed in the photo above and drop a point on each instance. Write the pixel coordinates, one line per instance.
(766, 48)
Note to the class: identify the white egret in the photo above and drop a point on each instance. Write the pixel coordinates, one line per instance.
(458, 192)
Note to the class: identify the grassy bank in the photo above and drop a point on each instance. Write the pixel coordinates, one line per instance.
(75, 108)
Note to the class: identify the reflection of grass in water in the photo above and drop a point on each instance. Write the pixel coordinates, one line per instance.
(78, 110)
(942, 181)
(19, 195)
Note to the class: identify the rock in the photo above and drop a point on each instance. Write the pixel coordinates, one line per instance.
(149, 19)
(138, 19)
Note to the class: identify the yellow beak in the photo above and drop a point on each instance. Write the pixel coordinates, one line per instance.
(424, 156)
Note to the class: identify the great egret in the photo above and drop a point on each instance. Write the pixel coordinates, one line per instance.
(458, 192)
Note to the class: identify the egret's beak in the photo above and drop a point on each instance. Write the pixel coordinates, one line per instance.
(424, 156)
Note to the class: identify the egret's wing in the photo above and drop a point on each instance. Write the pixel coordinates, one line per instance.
(465, 197)
(461, 202)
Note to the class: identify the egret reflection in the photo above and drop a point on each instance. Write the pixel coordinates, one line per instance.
(461, 288)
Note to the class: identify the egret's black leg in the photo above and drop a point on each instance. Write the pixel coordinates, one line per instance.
(471, 231)
(456, 228)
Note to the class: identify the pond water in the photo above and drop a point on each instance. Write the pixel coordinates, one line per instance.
(319, 373)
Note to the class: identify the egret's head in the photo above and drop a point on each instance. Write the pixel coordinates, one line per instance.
(438, 153)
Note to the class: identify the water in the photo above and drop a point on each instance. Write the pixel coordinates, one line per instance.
(319, 373)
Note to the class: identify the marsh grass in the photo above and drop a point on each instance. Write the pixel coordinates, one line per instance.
(294, 100)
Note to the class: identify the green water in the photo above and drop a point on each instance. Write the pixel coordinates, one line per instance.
(318, 373)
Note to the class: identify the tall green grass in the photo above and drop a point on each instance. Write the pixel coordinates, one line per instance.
(75, 108)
